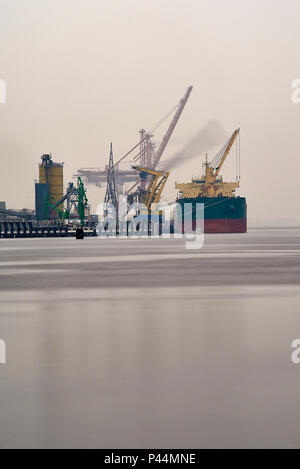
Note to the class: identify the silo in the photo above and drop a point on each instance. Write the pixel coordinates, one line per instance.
(52, 173)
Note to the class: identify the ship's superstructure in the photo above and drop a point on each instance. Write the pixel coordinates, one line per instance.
(211, 184)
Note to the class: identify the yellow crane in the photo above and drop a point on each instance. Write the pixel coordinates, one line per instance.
(211, 184)
(155, 186)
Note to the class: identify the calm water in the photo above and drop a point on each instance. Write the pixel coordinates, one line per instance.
(125, 344)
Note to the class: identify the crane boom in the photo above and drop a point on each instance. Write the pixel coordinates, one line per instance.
(227, 151)
(156, 185)
(171, 128)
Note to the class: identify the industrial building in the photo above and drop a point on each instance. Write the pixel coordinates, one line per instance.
(50, 188)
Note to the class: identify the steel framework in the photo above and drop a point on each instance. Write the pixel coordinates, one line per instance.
(147, 156)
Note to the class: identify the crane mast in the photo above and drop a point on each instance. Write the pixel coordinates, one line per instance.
(227, 151)
(171, 128)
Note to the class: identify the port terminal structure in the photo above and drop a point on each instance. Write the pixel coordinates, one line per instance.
(60, 213)
(56, 214)
(223, 210)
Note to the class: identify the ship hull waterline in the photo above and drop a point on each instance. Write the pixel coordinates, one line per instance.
(221, 215)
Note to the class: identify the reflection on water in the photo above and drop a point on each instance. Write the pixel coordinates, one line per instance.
(184, 367)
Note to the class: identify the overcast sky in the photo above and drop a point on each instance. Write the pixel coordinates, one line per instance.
(83, 73)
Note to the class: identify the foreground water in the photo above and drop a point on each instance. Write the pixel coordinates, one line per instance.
(125, 344)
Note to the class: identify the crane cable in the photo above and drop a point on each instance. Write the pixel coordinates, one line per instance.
(165, 118)
(153, 130)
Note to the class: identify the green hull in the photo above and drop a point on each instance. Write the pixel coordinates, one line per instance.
(221, 215)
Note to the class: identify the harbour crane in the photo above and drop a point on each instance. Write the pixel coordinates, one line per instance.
(171, 128)
(155, 186)
(76, 198)
(153, 158)
(143, 153)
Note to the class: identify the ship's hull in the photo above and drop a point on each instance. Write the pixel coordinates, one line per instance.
(221, 215)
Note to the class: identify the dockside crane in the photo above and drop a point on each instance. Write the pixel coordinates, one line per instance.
(75, 197)
(154, 157)
(143, 153)
(155, 186)
(159, 153)
(171, 128)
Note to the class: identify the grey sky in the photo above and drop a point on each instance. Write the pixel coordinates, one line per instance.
(82, 73)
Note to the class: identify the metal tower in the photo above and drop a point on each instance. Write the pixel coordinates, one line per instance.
(111, 196)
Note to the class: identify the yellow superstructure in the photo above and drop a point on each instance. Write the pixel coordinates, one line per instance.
(211, 184)
(53, 174)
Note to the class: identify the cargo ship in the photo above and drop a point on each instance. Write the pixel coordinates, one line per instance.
(224, 212)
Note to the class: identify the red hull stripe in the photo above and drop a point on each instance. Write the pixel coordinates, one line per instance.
(232, 225)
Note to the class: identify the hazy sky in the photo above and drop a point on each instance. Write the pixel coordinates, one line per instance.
(82, 73)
